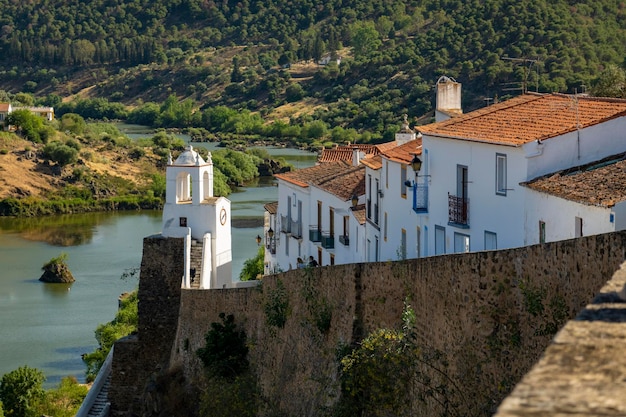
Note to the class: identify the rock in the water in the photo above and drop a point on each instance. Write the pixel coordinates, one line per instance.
(57, 273)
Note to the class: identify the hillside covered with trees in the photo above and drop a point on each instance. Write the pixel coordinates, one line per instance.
(261, 55)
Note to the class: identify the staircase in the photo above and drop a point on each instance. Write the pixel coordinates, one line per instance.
(196, 263)
(101, 405)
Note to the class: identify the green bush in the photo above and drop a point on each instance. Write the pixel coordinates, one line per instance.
(21, 391)
(276, 306)
(124, 323)
(60, 153)
(225, 352)
(64, 400)
(253, 267)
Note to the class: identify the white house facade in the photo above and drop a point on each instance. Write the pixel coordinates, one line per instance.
(478, 161)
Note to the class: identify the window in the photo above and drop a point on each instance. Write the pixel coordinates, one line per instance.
(402, 253)
(403, 181)
(491, 241)
(578, 227)
(418, 244)
(376, 250)
(385, 228)
(500, 174)
(542, 231)
(440, 240)
(369, 197)
(461, 243)
(387, 174)
(332, 259)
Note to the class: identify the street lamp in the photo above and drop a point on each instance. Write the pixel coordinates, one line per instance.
(270, 233)
(355, 200)
(258, 239)
(416, 164)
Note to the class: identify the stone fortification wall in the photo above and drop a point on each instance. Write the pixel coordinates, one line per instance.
(139, 359)
(490, 314)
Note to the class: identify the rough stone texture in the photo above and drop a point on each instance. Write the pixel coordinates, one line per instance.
(138, 360)
(583, 372)
(491, 313)
(57, 273)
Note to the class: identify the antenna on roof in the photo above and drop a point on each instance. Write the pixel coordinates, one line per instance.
(527, 65)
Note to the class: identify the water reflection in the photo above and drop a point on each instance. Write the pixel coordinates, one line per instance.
(56, 290)
(61, 230)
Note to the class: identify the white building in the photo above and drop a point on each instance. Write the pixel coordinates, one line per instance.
(585, 200)
(192, 212)
(477, 163)
(315, 217)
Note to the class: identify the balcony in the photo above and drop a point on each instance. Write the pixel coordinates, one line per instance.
(296, 229)
(285, 224)
(328, 240)
(420, 198)
(315, 235)
(458, 211)
(344, 240)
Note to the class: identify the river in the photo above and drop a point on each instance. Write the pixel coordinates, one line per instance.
(49, 326)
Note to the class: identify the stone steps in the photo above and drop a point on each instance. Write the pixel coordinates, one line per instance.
(100, 407)
(196, 263)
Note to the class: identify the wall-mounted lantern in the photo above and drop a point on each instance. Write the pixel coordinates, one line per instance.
(258, 240)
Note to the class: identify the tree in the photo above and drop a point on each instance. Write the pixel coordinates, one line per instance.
(610, 83)
(21, 391)
(26, 122)
(73, 123)
(253, 267)
(365, 38)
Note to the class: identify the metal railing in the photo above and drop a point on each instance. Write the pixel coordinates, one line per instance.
(285, 224)
(458, 210)
(296, 229)
(315, 234)
(328, 240)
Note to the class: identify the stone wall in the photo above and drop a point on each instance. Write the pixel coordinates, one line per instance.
(583, 372)
(491, 314)
(140, 359)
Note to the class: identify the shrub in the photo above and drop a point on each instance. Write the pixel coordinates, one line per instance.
(225, 352)
(21, 391)
(65, 399)
(60, 153)
(253, 267)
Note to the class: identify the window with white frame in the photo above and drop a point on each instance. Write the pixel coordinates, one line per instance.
(500, 174)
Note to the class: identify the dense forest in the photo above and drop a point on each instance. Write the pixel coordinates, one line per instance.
(261, 56)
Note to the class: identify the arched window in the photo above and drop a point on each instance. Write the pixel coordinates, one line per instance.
(183, 187)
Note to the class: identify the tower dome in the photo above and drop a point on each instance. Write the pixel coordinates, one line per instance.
(189, 157)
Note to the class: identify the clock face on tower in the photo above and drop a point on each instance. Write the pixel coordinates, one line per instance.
(223, 216)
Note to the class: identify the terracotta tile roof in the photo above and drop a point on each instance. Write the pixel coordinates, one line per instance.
(4, 107)
(374, 162)
(359, 213)
(527, 118)
(335, 154)
(344, 153)
(602, 183)
(405, 153)
(315, 174)
(345, 184)
(271, 208)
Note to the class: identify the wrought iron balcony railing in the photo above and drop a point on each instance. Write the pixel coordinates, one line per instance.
(315, 234)
(328, 240)
(458, 210)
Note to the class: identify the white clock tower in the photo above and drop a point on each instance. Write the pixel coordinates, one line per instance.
(192, 212)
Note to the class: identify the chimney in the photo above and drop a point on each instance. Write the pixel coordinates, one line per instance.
(448, 99)
(357, 155)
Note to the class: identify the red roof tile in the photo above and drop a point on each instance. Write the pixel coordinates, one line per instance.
(602, 183)
(528, 118)
(374, 162)
(314, 174)
(405, 153)
(271, 208)
(346, 184)
(359, 213)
